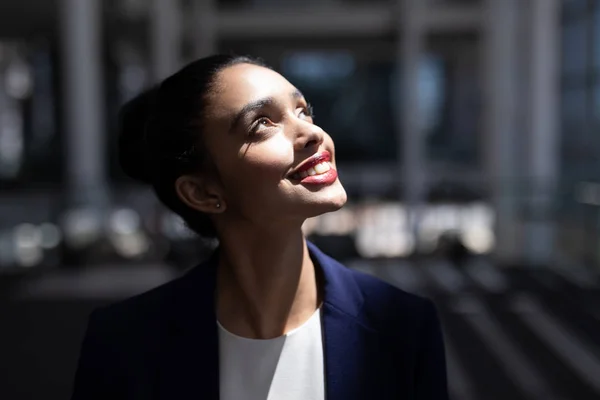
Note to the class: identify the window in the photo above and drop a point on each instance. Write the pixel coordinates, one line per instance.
(574, 47)
(451, 81)
(30, 148)
(580, 35)
(574, 7)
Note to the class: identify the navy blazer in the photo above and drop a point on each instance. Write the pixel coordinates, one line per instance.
(379, 341)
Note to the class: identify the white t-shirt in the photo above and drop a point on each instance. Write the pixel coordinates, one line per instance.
(289, 367)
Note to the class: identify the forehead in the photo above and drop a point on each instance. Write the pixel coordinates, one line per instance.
(243, 83)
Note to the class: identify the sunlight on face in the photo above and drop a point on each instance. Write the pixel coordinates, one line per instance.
(272, 159)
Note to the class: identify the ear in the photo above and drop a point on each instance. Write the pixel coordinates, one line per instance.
(200, 194)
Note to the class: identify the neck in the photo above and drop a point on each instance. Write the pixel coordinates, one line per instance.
(266, 283)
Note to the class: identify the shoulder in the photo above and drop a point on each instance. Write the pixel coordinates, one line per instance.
(120, 338)
(391, 310)
(125, 320)
(151, 310)
(383, 301)
(383, 307)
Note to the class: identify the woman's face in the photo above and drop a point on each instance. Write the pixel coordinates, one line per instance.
(274, 164)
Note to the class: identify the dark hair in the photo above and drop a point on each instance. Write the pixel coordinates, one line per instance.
(160, 133)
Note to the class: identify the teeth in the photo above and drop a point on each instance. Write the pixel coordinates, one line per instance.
(316, 170)
(322, 168)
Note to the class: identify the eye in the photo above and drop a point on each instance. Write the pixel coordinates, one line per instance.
(307, 112)
(261, 122)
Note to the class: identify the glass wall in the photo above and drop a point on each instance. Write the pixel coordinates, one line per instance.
(580, 39)
(30, 145)
(450, 93)
(580, 124)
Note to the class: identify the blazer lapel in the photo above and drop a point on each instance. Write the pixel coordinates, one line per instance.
(345, 338)
(189, 368)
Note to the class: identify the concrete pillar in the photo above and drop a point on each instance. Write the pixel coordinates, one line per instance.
(165, 38)
(84, 117)
(204, 28)
(543, 138)
(411, 143)
(500, 106)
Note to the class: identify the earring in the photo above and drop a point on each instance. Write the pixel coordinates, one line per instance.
(218, 205)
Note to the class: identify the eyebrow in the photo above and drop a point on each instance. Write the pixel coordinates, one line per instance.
(257, 105)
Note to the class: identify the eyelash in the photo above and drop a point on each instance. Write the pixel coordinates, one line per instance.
(308, 111)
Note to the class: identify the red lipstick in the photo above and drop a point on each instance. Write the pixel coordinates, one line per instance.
(318, 158)
(316, 170)
(323, 179)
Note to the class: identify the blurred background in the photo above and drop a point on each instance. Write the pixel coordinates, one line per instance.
(466, 135)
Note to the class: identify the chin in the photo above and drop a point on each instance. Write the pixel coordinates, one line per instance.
(338, 203)
(330, 204)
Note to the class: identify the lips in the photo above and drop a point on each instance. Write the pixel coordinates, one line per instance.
(317, 169)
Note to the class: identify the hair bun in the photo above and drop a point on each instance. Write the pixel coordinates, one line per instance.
(135, 156)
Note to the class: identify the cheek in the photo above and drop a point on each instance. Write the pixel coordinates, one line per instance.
(255, 176)
(253, 173)
(266, 161)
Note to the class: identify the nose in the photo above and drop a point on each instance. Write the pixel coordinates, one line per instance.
(308, 135)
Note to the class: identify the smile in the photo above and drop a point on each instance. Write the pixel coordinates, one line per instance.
(318, 169)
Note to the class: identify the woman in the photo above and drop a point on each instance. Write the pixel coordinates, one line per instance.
(231, 146)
